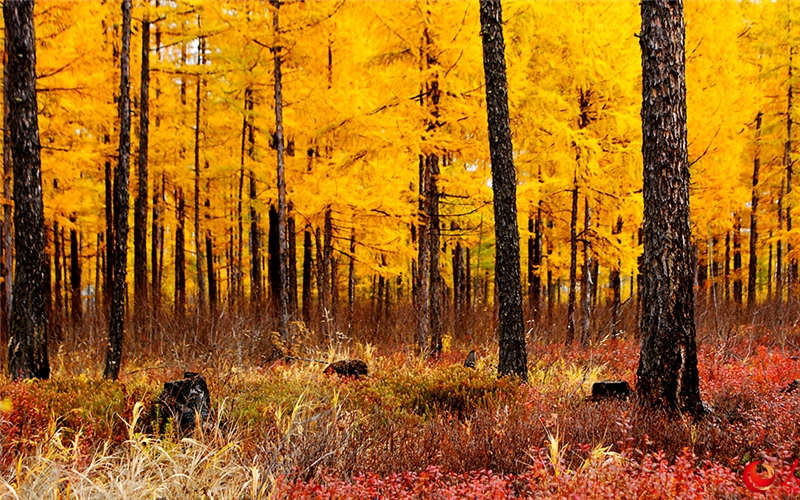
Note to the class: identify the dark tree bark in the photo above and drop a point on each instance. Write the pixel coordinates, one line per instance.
(573, 264)
(432, 196)
(423, 265)
(513, 353)
(212, 281)
(119, 284)
(255, 233)
(753, 263)
(64, 267)
(156, 264)
(727, 266)
(667, 373)
(779, 248)
(7, 264)
(791, 268)
(75, 276)
(351, 282)
(140, 203)
(198, 245)
(58, 312)
(180, 258)
(616, 285)
(292, 237)
(536, 296)
(737, 261)
(273, 261)
(283, 324)
(530, 263)
(307, 265)
(586, 275)
(109, 250)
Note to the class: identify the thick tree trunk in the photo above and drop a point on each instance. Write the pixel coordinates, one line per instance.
(307, 265)
(513, 354)
(140, 203)
(75, 277)
(667, 373)
(423, 264)
(119, 285)
(435, 303)
(753, 263)
(7, 264)
(573, 264)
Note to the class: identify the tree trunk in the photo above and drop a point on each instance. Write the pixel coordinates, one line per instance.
(327, 275)
(212, 281)
(667, 373)
(791, 269)
(537, 261)
(586, 275)
(255, 233)
(198, 245)
(737, 261)
(616, 284)
(119, 284)
(180, 266)
(727, 266)
(573, 264)
(283, 325)
(307, 265)
(75, 277)
(435, 290)
(423, 264)
(140, 203)
(779, 248)
(513, 354)
(273, 262)
(292, 237)
(351, 283)
(7, 264)
(58, 311)
(109, 212)
(531, 259)
(753, 263)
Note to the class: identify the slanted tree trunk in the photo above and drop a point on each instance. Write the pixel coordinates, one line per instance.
(140, 203)
(75, 276)
(513, 354)
(573, 264)
(307, 265)
(753, 263)
(667, 373)
(119, 284)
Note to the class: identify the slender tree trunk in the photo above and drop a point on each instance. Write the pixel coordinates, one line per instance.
(616, 284)
(119, 283)
(513, 354)
(537, 262)
(307, 265)
(667, 373)
(791, 269)
(75, 277)
(779, 248)
(65, 291)
(351, 283)
(727, 266)
(531, 259)
(737, 261)
(255, 233)
(212, 281)
(109, 212)
(140, 203)
(586, 275)
(322, 283)
(292, 237)
(198, 245)
(573, 265)
(435, 291)
(58, 312)
(180, 265)
(283, 325)
(770, 271)
(273, 262)
(753, 263)
(423, 264)
(326, 261)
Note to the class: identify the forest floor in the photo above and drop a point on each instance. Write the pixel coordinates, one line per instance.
(413, 428)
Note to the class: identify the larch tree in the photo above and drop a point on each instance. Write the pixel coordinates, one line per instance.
(119, 284)
(667, 373)
(27, 347)
(140, 202)
(513, 354)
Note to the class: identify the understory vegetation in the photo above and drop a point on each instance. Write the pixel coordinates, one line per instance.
(413, 428)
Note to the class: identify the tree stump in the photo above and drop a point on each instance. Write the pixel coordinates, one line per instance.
(610, 389)
(184, 401)
(347, 368)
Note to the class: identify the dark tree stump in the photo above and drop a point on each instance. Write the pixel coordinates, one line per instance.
(610, 389)
(471, 360)
(347, 368)
(183, 400)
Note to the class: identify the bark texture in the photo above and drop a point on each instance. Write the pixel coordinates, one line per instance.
(119, 284)
(513, 353)
(140, 203)
(667, 372)
(27, 346)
